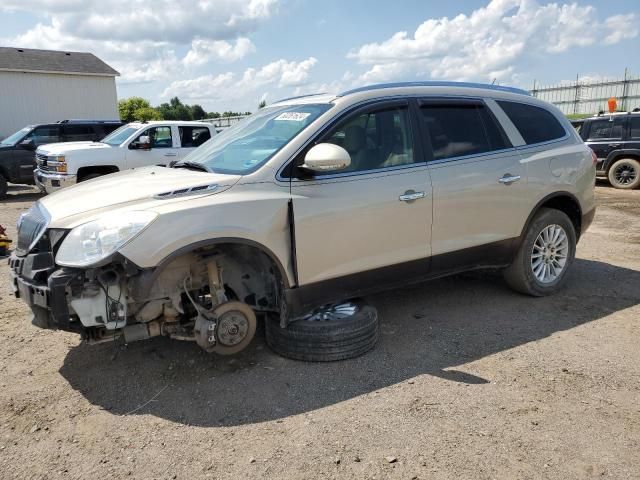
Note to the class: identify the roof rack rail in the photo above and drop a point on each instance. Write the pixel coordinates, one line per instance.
(378, 86)
(299, 96)
(87, 120)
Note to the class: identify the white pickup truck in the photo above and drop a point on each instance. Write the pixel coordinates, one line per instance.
(133, 145)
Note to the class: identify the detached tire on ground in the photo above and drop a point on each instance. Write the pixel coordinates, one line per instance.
(344, 331)
(545, 255)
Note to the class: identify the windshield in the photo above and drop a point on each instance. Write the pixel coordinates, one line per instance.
(16, 137)
(254, 140)
(118, 136)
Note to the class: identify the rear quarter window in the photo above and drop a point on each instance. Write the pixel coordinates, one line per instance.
(535, 124)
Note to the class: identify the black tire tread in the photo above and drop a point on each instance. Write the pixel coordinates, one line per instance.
(518, 275)
(325, 341)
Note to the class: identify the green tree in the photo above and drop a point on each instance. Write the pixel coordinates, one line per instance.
(128, 106)
(262, 104)
(197, 112)
(146, 114)
(175, 110)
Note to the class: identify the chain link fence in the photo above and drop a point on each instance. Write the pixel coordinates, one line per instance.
(589, 96)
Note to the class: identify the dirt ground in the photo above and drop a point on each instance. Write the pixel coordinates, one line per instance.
(469, 381)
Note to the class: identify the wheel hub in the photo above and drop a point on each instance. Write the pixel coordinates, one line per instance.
(549, 254)
(232, 328)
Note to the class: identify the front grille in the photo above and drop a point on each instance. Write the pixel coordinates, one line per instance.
(31, 226)
(42, 163)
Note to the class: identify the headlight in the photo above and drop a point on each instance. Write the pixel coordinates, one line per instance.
(61, 165)
(94, 241)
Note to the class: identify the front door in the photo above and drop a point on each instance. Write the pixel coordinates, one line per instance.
(161, 150)
(375, 215)
(27, 158)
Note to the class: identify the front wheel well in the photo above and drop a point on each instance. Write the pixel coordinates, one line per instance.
(84, 172)
(250, 275)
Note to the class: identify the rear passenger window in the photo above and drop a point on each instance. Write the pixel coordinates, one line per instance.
(191, 137)
(606, 127)
(535, 124)
(457, 129)
(78, 133)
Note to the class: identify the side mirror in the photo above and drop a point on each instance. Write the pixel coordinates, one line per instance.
(326, 157)
(143, 143)
(28, 144)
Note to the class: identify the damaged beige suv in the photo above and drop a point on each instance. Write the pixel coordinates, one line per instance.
(305, 206)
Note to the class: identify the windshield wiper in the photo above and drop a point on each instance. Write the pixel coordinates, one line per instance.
(191, 166)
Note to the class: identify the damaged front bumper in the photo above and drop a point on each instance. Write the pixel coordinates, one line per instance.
(37, 281)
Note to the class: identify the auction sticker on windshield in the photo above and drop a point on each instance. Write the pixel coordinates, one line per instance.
(293, 116)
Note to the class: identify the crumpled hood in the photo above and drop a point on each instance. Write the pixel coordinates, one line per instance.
(62, 148)
(131, 189)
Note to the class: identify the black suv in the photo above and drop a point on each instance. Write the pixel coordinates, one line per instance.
(616, 140)
(17, 151)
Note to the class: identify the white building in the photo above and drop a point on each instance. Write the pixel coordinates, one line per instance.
(44, 86)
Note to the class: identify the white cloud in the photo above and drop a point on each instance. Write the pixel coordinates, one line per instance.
(140, 38)
(204, 50)
(253, 82)
(487, 43)
(158, 20)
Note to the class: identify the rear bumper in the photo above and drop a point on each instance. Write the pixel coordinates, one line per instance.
(50, 182)
(44, 289)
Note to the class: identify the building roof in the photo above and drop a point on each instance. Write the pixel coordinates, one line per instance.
(53, 61)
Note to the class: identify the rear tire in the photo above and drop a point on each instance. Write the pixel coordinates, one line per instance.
(327, 340)
(545, 255)
(624, 174)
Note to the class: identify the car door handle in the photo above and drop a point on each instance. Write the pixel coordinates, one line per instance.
(170, 154)
(410, 196)
(508, 179)
(614, 145)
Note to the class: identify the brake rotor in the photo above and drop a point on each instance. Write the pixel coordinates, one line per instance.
(235, 327)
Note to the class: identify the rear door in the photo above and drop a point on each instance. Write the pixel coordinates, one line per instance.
(369, 224)
(478, 184)
(78, 133)
(191, 137)
(605, 135)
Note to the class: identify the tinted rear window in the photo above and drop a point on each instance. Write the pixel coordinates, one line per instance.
(606, 127)
(458, 129)
(535, 124)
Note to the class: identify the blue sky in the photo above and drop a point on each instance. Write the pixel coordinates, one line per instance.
(230, 54)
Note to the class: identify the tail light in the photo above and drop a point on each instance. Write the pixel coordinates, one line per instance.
(594, 157)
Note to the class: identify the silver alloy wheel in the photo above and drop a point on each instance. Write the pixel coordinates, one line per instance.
(332, 312)
(625, 174)
(549, 254)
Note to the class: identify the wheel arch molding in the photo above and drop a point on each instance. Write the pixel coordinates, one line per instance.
(565, 202)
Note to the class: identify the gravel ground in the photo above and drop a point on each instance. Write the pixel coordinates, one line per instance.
(469, 380)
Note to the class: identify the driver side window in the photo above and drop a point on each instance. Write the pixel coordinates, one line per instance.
(159, 137)
(375, 139)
